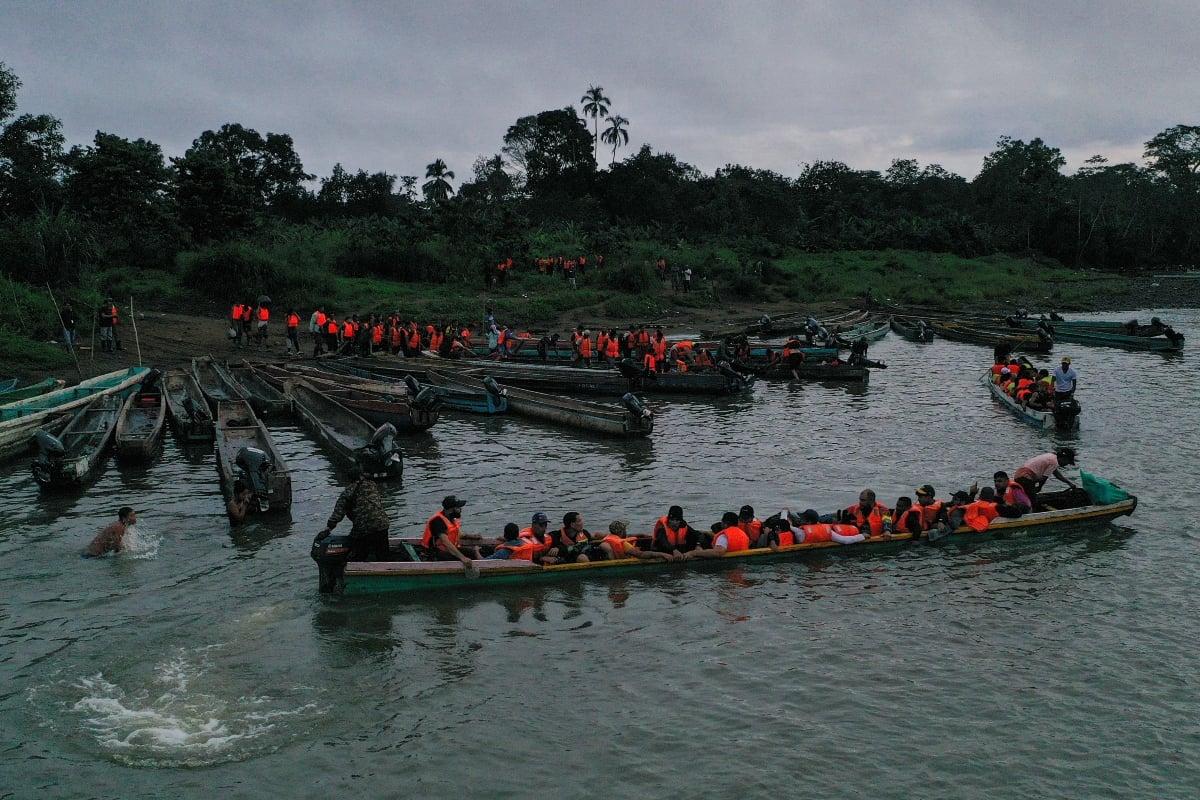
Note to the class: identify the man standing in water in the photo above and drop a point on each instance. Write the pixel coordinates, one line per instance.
(112, 538)
(362, 503)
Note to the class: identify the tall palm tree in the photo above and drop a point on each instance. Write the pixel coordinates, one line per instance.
(616, 135)
(595, 105)
(438, 187)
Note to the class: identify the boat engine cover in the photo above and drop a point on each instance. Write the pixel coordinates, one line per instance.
(49, 446)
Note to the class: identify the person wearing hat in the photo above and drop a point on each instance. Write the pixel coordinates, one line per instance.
(362, 503)
(1034, 473)
(442, 533)
(112, 538)
(751, 524)
(1065, 379)
(672, 535)
(928, 506)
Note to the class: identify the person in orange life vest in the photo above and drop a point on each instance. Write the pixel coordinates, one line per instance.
(613, 350)
(672, 535)
(602, 346)
(107, 322)
(331, 333)
(292, 320)
(512, 545)
(730, 539)
(872, 518)
(979, 514)
(907, 518)
(1034, 473)
(617, 544)
(235, 324)
(1012, 501)
(929, 506)
(1039, 398)
(412, 345)
(504, 341)
(628, 343)
(811, 530)
(316, 326)
(649, 363)
(535, 534)
(658, 345)
(263, 316)
(563, 547)
(952, 514)
(585, 348)
(749, 523)
(643, 339)
(247, 320)
(704, 358)
(442, 533)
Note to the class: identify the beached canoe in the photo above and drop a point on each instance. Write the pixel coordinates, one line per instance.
(246, 453)
(74, 456)
(377, 404)
(631, 420)
(336, 574)
(914, 330)
(141, 422)
(187, 407)
(7, 385)
(20, 420)
(265, 398)
(470, 399)
(350, 438)
(217, 384)
(1064, 418)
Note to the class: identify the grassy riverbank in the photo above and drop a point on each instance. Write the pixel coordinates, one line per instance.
(723, 291)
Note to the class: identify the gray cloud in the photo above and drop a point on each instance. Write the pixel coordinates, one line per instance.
(773, 85)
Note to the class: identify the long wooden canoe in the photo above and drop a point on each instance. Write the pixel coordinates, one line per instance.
(21, 419)
(1097, 338)
(911, 329)
(336, 575)
(473, 400)
(74, 456)
(377, 405)
(266, 399)
(217, 384)
(1025, 341)
(350, 438)
(818, 371)
(1067, 420)
(140, 424)
(631, 420)
(188, 408)
(246, 452)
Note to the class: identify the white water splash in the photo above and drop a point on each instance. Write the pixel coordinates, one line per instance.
(174, 722)
(140, 542)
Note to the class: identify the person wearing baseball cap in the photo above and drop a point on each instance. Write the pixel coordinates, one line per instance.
(535, 534)
(673, 535)
(1065, 380)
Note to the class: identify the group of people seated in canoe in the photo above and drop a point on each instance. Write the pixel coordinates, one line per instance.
(672, 538)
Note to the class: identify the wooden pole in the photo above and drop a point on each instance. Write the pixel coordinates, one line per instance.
(94, 314)
(136, 341)
(71, 348)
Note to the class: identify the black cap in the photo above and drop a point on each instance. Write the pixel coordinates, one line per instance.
(746, 513)
(452, 501)
(675, 512)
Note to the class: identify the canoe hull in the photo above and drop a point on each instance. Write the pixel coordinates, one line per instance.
(1038, 419)
(345, 434)
(237, 428)
(138, 436)
(188, 408)
(401, 576)
(85, 442)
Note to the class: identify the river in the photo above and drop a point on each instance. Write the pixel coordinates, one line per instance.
(204, 663)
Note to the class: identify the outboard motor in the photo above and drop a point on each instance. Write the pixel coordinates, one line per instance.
(255, 468)
(1065, 413)
(427, 399)
(49, 456)
(331, 554)
(635, 406)
(151, 383)
(632, 372)
(493, 388)
(414, 386)
(381, 452)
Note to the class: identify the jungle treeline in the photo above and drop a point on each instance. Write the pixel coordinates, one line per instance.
(238, 209)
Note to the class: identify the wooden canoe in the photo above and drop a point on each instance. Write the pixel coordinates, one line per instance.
(350, 438)
(15, 394)
(1046, 420)
(336, 575)
(140, 424)
(266, 399)
(376, 404)
(20, 420)
(187, 407)
(471, 399)
(818, 371)
(912, 329)
(216, 382)
(631, 420)
(74, 456)
(246, 452)
(1025, 341)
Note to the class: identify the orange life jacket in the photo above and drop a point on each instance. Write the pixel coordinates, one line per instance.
(452, 528)
(823, 532)
(347, 330)
(293, 320)
(525, 550)
(331, 327)
(377, 333)
(737, 539)
(928, 513)
(264, 313)
(237, 311)
(874, 519)
(585, 347)
(650, 362)
(320, 320)
(617, 543)
(979, 514)
(613, 349)
(676, 536)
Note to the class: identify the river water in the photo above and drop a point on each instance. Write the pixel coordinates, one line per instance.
(204, 661)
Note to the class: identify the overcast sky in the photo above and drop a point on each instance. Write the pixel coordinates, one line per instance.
(390, 86)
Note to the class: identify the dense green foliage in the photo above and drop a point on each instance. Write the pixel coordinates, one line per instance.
(236, 216)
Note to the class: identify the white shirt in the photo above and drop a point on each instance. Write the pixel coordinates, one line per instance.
(1064, 379)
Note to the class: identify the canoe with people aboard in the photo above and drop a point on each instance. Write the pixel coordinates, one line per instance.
(1064, 417)
(338, 575)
